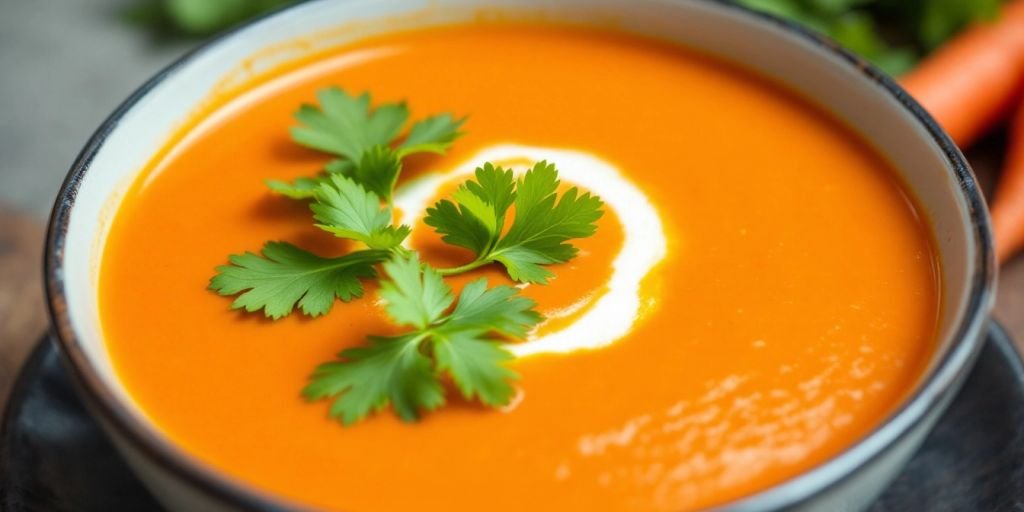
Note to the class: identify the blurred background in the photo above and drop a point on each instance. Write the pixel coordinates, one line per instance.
(67, 63)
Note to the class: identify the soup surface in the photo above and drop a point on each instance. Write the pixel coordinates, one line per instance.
(794, 305)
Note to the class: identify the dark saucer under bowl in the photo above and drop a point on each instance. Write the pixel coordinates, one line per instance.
(55, 458)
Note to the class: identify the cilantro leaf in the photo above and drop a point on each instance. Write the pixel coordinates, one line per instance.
(499, 309)
(340, 166)
(389, 370)
(434, 134)
(543, 225)
(378, 170)
(415, 296)
(301, 188)
(459, 227)
(366, 140)
(376, 160)
(476, 365)
(345, 125)
(405, 371)
(462, 346)
(348, 210)
(477, 215)
(496, 186)
(286, 275)
(525, 265)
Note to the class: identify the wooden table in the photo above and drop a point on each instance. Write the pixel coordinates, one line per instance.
(22, 314)
(23, 318)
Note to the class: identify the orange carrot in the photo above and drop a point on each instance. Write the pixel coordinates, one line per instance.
(1008, 206)
(973, 80)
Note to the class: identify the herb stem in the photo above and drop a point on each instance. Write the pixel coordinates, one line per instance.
(462, 268)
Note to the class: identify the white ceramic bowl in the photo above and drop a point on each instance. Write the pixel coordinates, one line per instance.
(842, 84)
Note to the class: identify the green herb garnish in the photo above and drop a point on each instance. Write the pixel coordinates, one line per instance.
(543, 223)
(348, 210)
(405, 370)
(365, 139)
(351, 199)
(285, 275)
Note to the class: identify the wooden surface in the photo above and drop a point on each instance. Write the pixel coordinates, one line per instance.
(23, 318)
(22, 314)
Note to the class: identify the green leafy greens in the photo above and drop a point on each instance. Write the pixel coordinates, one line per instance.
(405, 370)
(348, 210)
(445, 339)
(366, 141)
(540, 231)
(286, 275)
(861, 25)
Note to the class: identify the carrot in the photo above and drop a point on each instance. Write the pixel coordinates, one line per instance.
(1008, 206)
(973, 80)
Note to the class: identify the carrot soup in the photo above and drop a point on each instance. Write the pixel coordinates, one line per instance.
(758, 295)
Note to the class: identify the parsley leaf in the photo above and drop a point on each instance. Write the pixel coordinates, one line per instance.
(405, 371)
(348, 210)
(286, 275)
(345, 125)
(415, 296)
(301, 188)
(476, 365)
(434, 134)
(389, 370)
(378, 170)
(498, 309)
(543, 225)
(365, 139)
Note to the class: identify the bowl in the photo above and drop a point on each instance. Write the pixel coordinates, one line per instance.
(868, 101)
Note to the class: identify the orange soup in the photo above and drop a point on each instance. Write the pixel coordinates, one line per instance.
(793, 306)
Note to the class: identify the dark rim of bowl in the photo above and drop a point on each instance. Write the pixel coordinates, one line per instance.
(936, 387)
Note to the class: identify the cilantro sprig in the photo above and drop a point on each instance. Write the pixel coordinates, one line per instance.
(346, 209)
(444, 339)
(366, 140)
(543, 225)
(406, 370)
(286, 275)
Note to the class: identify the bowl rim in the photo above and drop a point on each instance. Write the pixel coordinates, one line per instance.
(935, 388)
